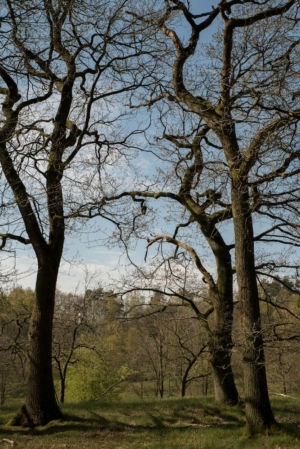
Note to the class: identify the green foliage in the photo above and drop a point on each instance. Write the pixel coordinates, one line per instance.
(15, 312)
(91, 377)
(17, 303)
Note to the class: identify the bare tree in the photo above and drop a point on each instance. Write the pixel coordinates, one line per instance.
(62, 64)
(243, 85)
(175, 344)
(81, 323)
(68, 323)
(220, 305)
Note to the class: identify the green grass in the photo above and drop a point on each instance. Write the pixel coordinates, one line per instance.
(189, 423)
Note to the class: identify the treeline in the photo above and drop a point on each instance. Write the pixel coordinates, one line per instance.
(105, 347)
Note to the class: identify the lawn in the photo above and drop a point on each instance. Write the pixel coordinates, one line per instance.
(189, 423)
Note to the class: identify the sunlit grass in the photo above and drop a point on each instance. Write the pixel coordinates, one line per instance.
(189, 423)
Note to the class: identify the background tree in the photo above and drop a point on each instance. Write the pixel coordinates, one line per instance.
(88, 352)
(280, 324)
(175, 351)
(68, 324)
(16, 308)
(160, 348)
(220, 305)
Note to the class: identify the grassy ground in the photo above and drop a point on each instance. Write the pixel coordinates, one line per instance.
(178, 423)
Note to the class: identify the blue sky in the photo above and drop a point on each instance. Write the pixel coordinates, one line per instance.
(79, 254)
(85, 252)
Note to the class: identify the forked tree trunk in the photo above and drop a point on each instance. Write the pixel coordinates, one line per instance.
(40, 405)
(221, 296)
(259, 415)
(220, 344)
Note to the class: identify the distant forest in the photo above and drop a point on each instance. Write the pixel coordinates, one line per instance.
(108, 348)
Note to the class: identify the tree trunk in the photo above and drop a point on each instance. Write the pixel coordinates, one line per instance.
(161, 385)
(62, 390)
(220, 345)
(205, 386)
(259, 415)
(225, 390)
(40, 405)
(221, 296)
(184, 380)
(2, 386)
(183, 387)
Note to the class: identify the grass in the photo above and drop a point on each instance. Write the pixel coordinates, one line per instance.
(189, 423)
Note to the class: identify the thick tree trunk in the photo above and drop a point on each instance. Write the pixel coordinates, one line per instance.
(220, 344)
(225, 390)
(221, 295)
(40, 405)
(259, 414)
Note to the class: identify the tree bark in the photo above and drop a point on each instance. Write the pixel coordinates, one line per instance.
(259, 415)
(220, 345)
(40, 405)
(225, 390)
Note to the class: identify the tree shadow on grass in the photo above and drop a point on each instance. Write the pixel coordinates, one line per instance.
(295, 412)
(292, 429)
(211, 416)
(180, 419)
(98, 424)
(118, 427)
(159, 423)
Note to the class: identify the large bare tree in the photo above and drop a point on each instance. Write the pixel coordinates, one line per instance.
(62, 66)
(244, 86)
